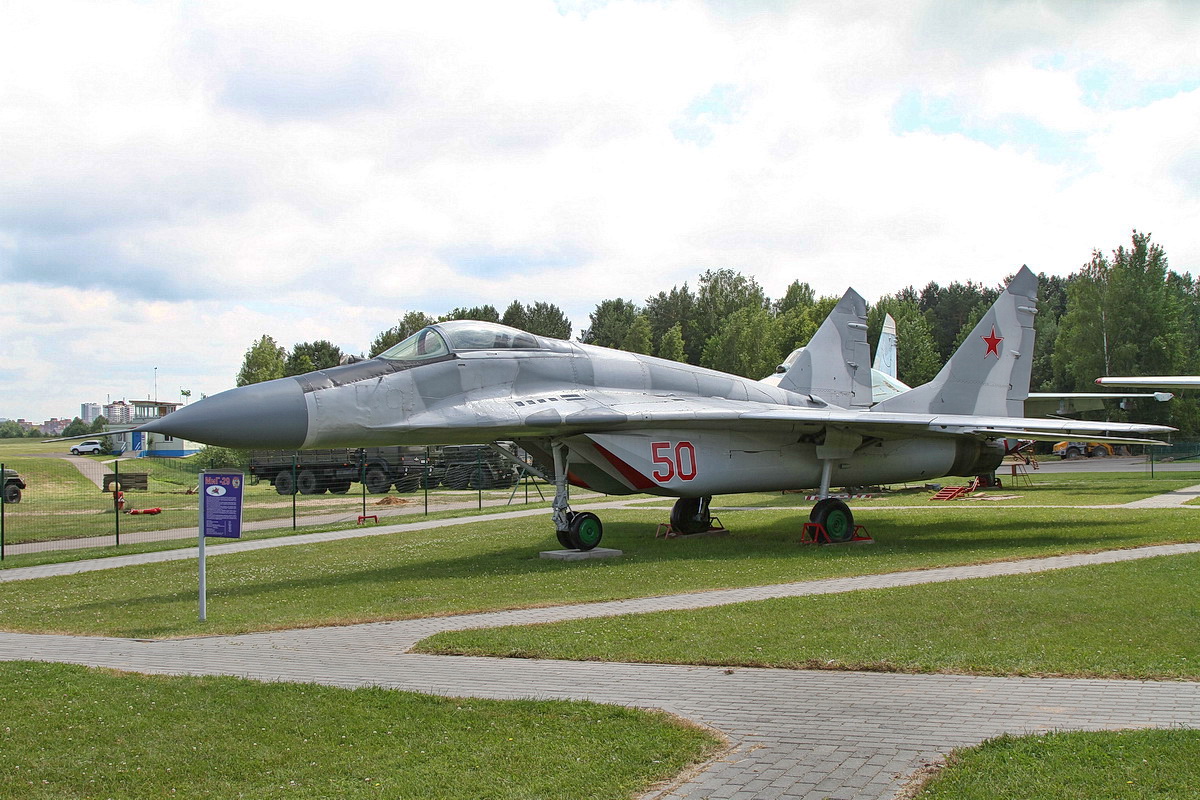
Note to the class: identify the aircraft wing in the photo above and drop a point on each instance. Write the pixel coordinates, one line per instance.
(587, 412)
(1155, 381)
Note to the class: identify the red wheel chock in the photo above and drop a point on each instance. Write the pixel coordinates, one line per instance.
(815, 533)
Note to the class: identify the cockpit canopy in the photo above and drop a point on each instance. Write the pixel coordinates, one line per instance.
(458, 336)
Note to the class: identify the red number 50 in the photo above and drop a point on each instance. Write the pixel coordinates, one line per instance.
(681, 462)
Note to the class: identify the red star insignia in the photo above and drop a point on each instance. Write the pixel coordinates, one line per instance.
(993, 343)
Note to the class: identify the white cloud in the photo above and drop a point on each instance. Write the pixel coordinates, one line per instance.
(187, 177)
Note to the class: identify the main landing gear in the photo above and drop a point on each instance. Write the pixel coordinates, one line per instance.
(835, 517)
(691, 515)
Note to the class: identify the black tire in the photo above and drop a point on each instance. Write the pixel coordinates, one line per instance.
(691, 515)
(1073, 452)
(307, 482)
(285, 483)
(74, 451)
(12, 493)
(586, 531)
(409, 483)
(564, 539)
(458, 476)
(836, 517)
(339, 487)
(377, 480)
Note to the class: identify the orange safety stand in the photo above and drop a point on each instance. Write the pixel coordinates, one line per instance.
(815, 533)
(364, 517)
(665, 531)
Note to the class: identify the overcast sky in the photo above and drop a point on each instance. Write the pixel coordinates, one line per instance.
(179, 178)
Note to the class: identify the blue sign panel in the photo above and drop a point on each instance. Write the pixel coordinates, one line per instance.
(221, 504)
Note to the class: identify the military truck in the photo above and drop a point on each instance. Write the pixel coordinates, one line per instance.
(381, 468)
(13, 484)
(335, 470)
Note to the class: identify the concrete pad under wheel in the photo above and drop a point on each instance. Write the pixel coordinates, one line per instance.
(580, 555)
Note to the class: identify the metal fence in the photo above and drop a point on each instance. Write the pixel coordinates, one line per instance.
(72, 503)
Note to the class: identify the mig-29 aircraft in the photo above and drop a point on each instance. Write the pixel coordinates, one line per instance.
(624, 423)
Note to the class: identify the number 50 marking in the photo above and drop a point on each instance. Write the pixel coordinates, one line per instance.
(680, 463)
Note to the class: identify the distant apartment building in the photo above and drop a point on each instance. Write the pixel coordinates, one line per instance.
(88, 412)
(54, 426)
(118, 413)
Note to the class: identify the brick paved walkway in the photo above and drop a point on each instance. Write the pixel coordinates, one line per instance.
(794, 734)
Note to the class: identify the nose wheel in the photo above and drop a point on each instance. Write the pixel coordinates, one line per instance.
(575, 530)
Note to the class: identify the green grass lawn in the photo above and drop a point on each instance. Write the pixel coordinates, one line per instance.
(495, 564)
(1136, 619)
(60, 503)
(68, 731)
(1115, 765)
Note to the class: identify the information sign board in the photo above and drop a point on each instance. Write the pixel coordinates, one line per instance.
(221, 504)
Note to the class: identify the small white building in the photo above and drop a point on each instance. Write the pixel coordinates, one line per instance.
(130, 443)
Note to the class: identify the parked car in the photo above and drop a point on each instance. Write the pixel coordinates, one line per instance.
(92, 446)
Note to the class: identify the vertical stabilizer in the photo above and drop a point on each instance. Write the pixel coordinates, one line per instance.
(885, 354)
(989, 373)
(835, 366)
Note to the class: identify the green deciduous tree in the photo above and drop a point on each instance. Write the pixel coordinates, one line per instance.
(263, 362)
(746, 344)
(307, 356)
(77, 427)
(485, 313)
(637, 337)
(610, 323)
(676, 308)
(670, 346)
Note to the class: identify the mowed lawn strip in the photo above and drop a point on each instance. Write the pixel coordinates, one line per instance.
(495, 565)
(69, 731)
(1136, 619)
(1116, 765)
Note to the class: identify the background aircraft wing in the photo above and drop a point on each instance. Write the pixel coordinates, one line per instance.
(1154, 381)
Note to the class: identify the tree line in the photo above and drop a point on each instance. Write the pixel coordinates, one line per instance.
(10, 429)
(1121, 313)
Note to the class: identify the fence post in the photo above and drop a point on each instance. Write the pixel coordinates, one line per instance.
(3, 485)
(362, 478)
(116, 507)
(295, 491)
(428, 478)
(479, 476)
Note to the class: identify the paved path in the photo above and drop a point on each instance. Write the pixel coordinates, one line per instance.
(793, 734)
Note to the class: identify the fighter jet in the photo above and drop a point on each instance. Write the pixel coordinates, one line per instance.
(623, 423)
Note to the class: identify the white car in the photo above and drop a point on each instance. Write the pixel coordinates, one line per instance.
(90, 446)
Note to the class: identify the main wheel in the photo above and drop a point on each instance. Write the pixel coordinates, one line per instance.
(691, 515)
(12, 493)
(285, 483)
(1073, 452)
(586, 531)
(307, 482)
(376, 480)
(339, 487)
(836, 518)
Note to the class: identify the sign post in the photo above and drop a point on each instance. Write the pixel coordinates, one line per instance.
(220, 515)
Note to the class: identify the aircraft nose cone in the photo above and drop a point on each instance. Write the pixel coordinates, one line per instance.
(269, 415)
